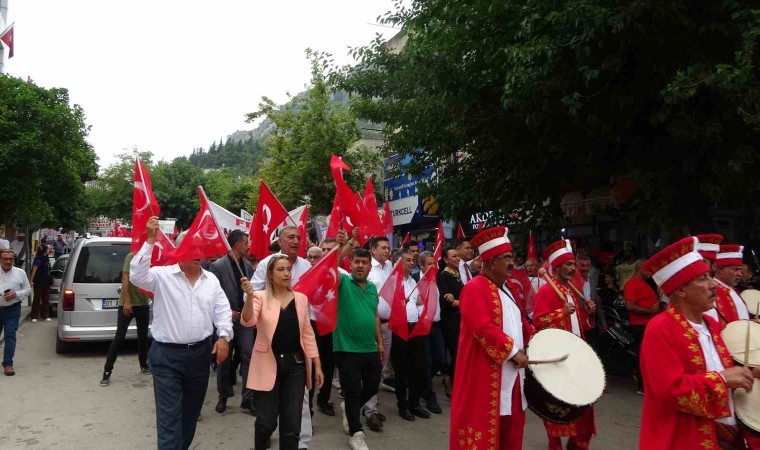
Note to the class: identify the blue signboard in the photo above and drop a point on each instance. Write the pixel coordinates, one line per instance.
(403, 192)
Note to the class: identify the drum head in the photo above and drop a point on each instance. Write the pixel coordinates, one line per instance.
(747, 406)
(752, 297)
(578, 380)
(735, 337)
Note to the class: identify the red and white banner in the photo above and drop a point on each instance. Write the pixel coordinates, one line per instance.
(228, 221)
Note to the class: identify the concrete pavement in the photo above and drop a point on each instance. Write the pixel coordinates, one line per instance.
(55, 401)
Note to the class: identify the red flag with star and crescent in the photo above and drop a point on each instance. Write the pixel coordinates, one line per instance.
(302, 231)
(349, 202)
(269, 215)
(7, 39)
(204, 238)
(144, 204)
(392, 292)
(371, 224)
(320, 285)
(428, 289)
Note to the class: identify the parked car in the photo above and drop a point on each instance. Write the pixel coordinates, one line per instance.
(59, 267)
(90, 290)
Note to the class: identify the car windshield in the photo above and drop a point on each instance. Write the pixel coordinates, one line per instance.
(101, 263)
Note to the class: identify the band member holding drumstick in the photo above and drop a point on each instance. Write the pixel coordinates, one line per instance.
(708, 247)
(688, 372)
(488, 403)
(729, 306)
(558, 305)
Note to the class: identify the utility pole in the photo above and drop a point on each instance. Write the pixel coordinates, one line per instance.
(3, 25)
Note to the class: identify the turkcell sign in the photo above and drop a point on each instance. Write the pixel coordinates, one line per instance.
(401, 192)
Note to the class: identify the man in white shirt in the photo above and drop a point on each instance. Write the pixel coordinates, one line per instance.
(15, 286)
(408, 357)
(466, 253)
(188, 303)
(19, 248)
(531, 266)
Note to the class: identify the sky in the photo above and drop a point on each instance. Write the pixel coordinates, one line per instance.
(168, 76)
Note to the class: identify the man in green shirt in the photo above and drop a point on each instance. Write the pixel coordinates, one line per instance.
(132, 302)
(358, 344)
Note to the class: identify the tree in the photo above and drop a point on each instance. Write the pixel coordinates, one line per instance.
(44, 154)
(517, 103)
(113, 196)
(309, 130)
(175, 185)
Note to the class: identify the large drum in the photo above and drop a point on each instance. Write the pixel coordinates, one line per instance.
(735, 337)
(561, 392)
(752, 299)
(747, 406)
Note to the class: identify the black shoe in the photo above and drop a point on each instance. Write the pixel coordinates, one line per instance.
(433, 406)
(326, 409)
(106, 379)
(247, 405)
(406, 415)
(145, 370)
(419, 411)
(221, 405)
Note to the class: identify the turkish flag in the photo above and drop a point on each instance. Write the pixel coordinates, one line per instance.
(144, 204)
(302, 230)
(204, 238)
(532, 253)
(349, 201)
(7, 38)
(460, 231)
(269, 215)
(371, 225)
(320, 285)
(393, 293)
(163, 250)
(526, 296)
(333, 226)
(407, 236)
(387, 218)
(428, 289)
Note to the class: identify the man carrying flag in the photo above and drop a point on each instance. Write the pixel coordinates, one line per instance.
(188, 304)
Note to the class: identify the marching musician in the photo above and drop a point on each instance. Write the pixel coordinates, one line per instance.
(708, 246)
(729, 306)
(687, 370)
(569, 313)
(488, 404)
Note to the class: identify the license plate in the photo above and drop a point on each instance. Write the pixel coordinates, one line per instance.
(110, 303)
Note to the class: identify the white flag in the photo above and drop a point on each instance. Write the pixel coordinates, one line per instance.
(228, 221)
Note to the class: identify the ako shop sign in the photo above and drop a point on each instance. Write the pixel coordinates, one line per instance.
(401, 190)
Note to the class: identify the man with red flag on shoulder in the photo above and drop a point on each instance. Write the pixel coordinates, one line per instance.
(688, 372)
(569, 313)
(727, 269)
(188, 303)
(488, 403)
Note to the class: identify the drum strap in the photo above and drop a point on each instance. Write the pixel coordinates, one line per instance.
(511, 297)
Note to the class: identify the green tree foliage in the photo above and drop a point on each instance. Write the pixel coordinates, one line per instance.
(228, 190)
(44, 156)
(241, 157)
(310, 128)
(113, 195)
(517, 103)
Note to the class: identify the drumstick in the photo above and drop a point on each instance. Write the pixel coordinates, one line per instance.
(746, 346)
(548, 279)
(548, 361)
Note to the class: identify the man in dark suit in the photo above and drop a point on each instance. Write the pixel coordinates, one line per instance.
(228, 273)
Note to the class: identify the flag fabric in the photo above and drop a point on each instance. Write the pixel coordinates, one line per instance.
(333, 224)
(144, 204)
(460, 231)
(269, 215)
(407, 236)
(371, 224)
(427, 288)
(527, 296)
(163, 250)
(320, 285)
(387, 218)
(204, 238)
(7, 39)
(532, 252)
(228, 221)
(302, 221)
(392, 292)
(349, 201)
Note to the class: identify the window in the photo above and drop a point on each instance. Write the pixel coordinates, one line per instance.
(101, 263)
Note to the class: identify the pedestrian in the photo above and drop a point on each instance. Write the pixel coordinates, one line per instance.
(414, 248)
(19, 248)
(41, 281)
(313, 254)
(278, 371)
(4, 243)
(642, 304)
(381, 270)
(358, 344)
(59, 247)
(227, 271)
(568, 313)
(488, 406)
(188, 303)
(449, 289)
(288, 244)
(689, 376)
(729, 306)
(132, 303)
(435, 351)
(15, 287)
(466, 254)
(408, 355)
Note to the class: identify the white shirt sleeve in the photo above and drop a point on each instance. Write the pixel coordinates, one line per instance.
(26, 289)
(257, 280)
(139, 269)
(222, 314)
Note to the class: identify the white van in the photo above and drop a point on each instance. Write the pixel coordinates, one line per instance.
(90, 288)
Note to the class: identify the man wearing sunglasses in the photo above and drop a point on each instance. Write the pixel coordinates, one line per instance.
(15, 287)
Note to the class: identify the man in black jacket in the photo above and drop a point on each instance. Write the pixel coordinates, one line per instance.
(228, 273)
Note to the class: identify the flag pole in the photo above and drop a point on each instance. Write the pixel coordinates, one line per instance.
(218, 230)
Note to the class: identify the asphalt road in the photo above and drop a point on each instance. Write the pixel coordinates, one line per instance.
(55, 402)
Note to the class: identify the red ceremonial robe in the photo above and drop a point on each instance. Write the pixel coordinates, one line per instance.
(549, 313)
(725, 305)
(681, 399)
(483, 348)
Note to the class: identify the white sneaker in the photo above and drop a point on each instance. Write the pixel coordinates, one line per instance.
(34, 320)
(357, 441)
(345, 420)
(48, 319)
